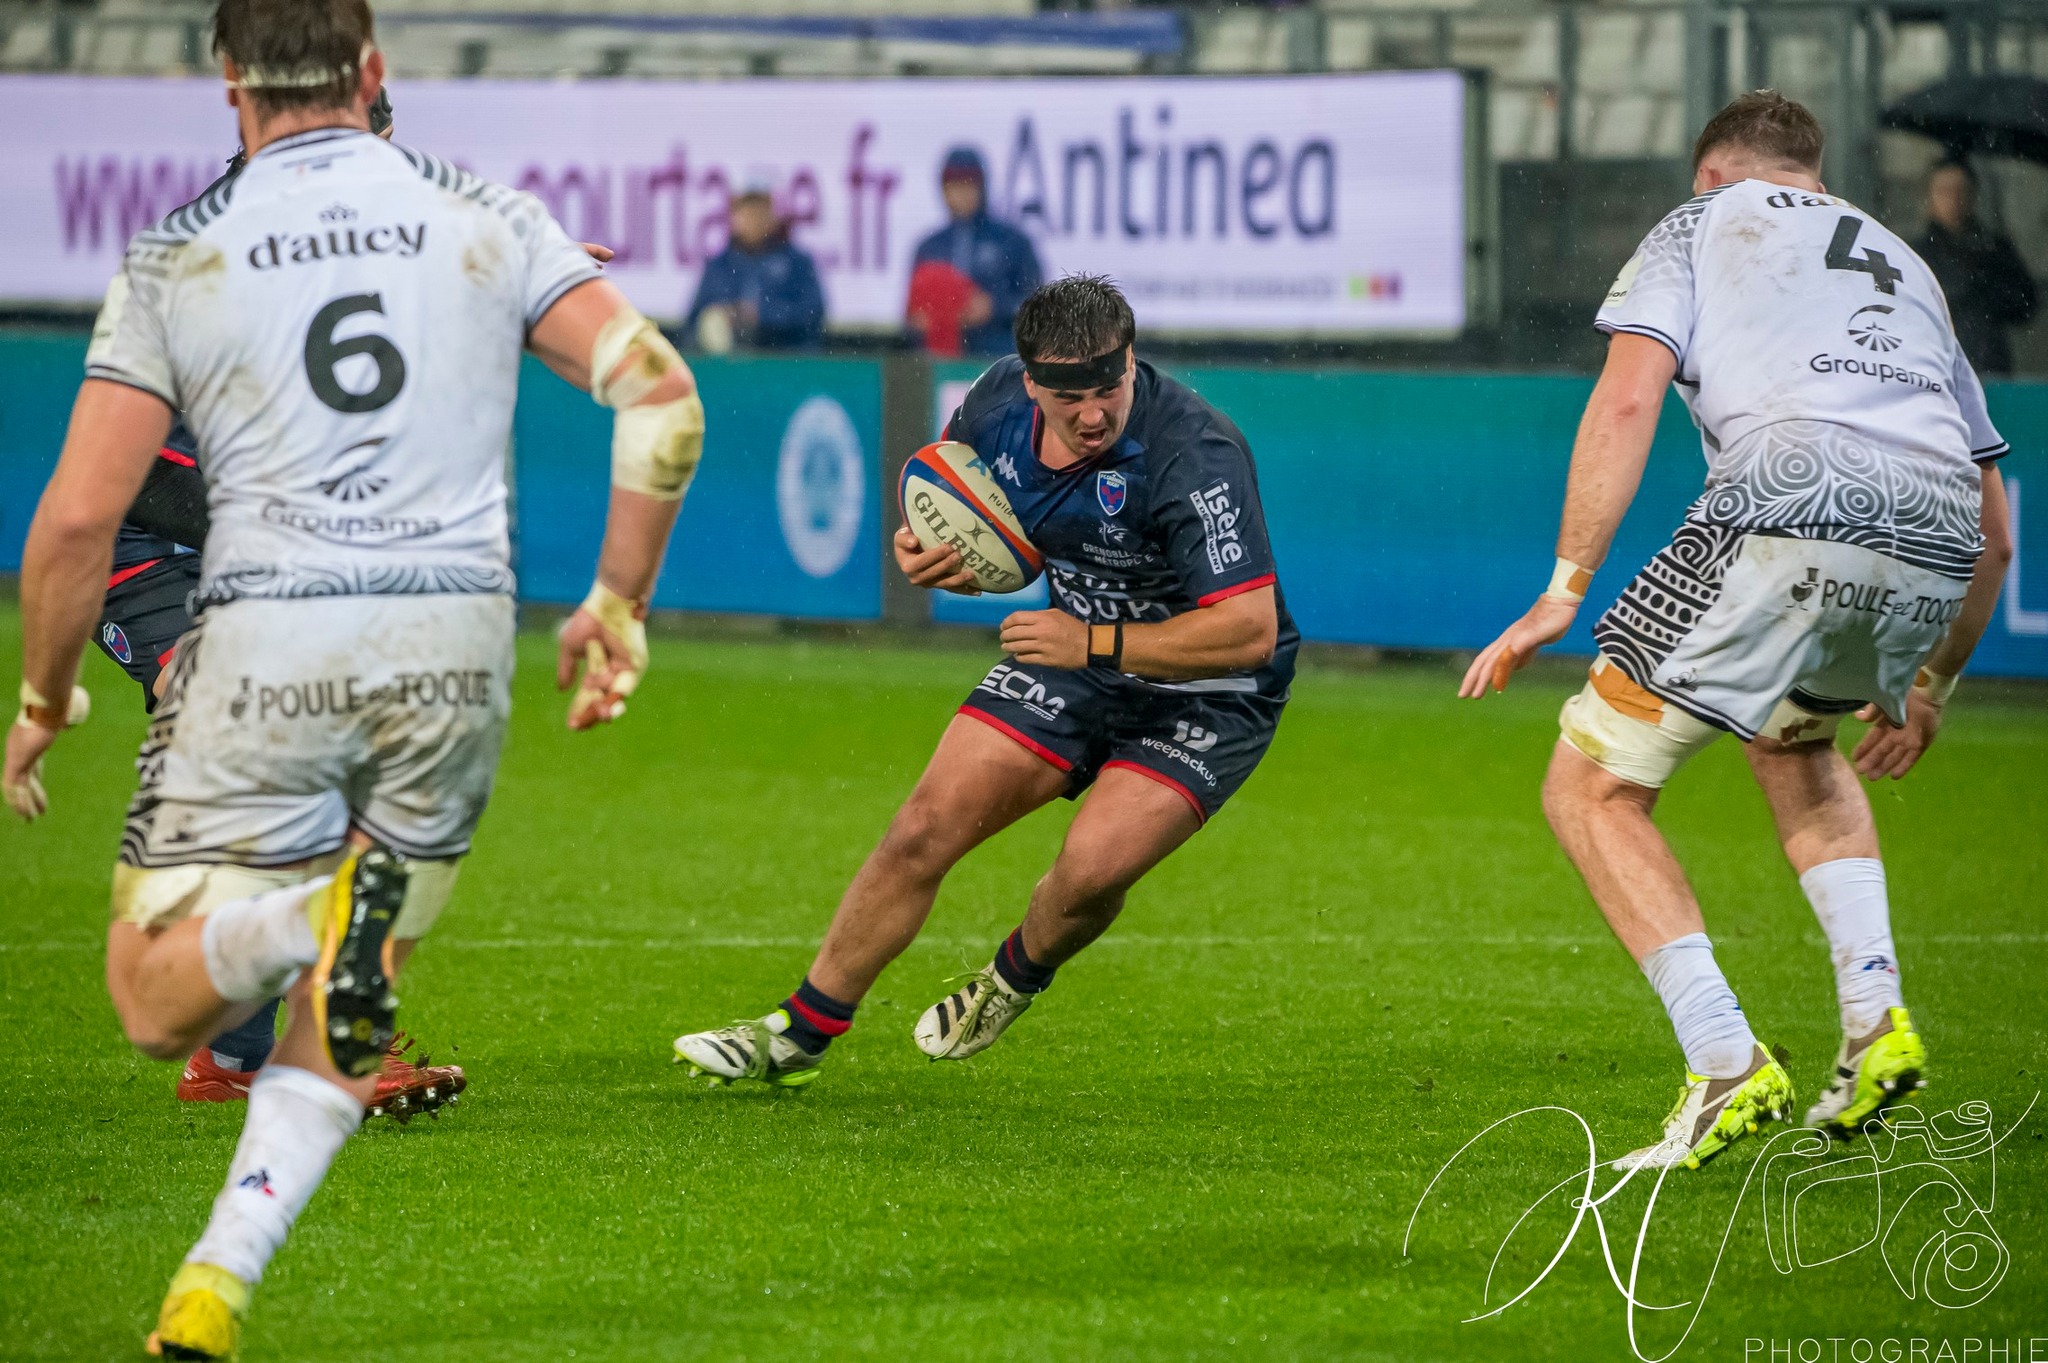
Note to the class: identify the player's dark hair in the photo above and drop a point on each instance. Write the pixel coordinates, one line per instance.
(1076, 317)
(1766, 124)
(278, 43)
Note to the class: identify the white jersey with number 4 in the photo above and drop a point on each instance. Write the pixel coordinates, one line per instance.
(342, 325)
(1816, 354)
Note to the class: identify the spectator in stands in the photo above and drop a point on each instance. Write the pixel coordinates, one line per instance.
(761, 290)
(1987, 283)
(969, 276)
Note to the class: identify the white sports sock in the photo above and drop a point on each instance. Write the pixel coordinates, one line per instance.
(1848, 897)
(1711, 1028)
(253, 946)
(297, 1122)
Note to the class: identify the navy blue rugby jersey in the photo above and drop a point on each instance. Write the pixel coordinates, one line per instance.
(136, 548)
(1165, 521)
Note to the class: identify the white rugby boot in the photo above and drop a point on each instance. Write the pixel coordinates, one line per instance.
(752, 1048)
(968, 1020)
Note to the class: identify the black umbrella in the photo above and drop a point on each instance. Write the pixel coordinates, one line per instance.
(2005, 115)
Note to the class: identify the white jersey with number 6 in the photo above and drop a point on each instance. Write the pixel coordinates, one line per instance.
(342, 325)
(1816, 354)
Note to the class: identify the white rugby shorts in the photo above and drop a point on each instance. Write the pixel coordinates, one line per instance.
(1725, 624)
(285, 722)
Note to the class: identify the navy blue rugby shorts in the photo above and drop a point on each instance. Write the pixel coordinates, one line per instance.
(1202, 743)
(144, 617)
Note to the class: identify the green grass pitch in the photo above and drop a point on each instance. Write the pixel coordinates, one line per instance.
(1205, 1142)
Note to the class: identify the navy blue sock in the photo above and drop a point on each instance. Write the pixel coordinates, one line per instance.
(246, 1047)
(1018, 970)
(815, 1017)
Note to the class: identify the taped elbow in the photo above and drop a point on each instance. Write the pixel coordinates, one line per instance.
(658, 429)
(656, 446)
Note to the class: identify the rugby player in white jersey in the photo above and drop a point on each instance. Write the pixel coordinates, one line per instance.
(342, 324)
(1845, 557)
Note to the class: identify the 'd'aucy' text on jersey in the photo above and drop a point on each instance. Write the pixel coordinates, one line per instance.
(1165, 521)
(341, 323)
(1817, 357)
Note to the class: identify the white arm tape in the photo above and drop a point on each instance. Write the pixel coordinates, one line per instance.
(655, 447)
(1934, 686)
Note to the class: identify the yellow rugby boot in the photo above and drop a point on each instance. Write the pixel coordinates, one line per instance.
(1871, 1073)
(354, 1007)
(1713, 1114)
(202, 1315)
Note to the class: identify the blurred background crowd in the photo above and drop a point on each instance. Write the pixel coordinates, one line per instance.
(1935, 111)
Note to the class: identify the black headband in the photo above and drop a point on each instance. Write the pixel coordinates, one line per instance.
(1104, 371)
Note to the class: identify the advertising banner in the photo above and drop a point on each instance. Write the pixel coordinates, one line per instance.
(1287, 204)
(781, 520)
(1420, 510)
(1406, 510)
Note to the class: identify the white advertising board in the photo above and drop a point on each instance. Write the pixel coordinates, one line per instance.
(1297, 204)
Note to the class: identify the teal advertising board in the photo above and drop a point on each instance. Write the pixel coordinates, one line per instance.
(1408, 510)
(784, 517)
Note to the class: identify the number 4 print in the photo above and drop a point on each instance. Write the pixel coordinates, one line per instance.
(1871, 262)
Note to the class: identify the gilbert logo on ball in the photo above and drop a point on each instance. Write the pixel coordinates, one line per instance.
(950, 497)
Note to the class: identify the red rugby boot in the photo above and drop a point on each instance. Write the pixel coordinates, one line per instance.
(205, 1080)
(406, 1087)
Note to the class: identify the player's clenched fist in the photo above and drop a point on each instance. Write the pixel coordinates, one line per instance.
(941, 569)
(34, 729)
(1049, 638)
(607, 637)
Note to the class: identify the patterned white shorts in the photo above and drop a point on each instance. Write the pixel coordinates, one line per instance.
(285, 722)
(1726, 623)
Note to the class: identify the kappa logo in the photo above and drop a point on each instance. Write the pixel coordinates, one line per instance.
(116, 640)
(1110, 490)
(1006, 466)
(1867, 329)
(1193, 737)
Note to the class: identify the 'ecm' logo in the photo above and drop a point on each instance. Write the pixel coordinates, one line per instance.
(1009, 683)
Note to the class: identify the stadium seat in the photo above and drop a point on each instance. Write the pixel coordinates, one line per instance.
(1240, 41)
(31, 45)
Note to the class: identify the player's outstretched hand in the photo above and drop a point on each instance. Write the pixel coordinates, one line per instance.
(1049, 638)
(941, 569)
(601, 254)
(23, 779)
(1545, 623)
(609, 670)
(1888, 750)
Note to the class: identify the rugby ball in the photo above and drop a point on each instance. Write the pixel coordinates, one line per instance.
(950, 497)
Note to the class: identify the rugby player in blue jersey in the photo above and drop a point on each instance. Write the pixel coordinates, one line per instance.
(1154, 683)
